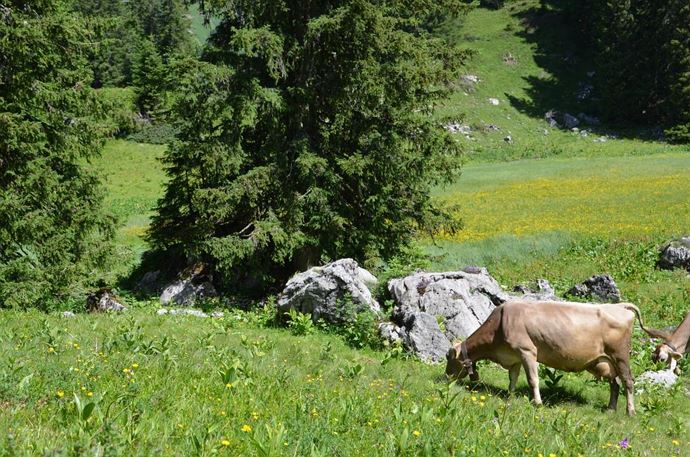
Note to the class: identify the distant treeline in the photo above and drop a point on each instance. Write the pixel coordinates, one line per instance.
(641, 53)
(127, 33)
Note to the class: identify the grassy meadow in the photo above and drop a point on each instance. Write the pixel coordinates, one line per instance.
(556, 205)
(139, 384)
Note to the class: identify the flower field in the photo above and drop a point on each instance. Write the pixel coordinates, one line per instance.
(141, 384)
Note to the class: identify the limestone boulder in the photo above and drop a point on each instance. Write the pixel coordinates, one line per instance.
(675, 254)
(433, 309)
(331, 292)
(600, 288)
(102, 301)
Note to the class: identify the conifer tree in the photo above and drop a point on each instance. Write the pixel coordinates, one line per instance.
(53, 233)
(307, 136)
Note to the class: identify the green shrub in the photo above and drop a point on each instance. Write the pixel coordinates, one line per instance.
(154, 133)
(121, 111)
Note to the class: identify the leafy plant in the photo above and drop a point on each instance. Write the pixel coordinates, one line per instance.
(300, 324)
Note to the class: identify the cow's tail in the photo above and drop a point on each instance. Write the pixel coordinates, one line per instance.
(649, 331)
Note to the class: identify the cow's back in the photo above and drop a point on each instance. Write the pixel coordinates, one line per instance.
(566, 335)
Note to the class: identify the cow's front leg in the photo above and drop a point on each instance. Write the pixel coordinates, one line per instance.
(615, 389)
(529, 361)
(513, 373)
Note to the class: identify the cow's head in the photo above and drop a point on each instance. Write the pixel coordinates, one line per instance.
(459, 367)
(665, 352)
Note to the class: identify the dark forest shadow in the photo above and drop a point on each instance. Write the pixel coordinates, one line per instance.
(568, 83)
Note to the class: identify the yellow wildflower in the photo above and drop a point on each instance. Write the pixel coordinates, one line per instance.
(89, 394)
(60, 393)
(676, 442)
(416, 433)
(135, 365)
(246, 428)
(225, 443)
(228, 385)
(51, 350)
(482, 398)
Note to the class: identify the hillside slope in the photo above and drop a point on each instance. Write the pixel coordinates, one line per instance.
(526, 60)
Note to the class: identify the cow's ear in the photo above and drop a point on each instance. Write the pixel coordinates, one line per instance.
(675, 354)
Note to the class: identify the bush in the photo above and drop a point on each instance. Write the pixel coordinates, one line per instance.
(154, 133)
(121, 111)
(678, 134)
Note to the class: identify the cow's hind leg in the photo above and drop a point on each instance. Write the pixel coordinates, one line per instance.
(615, 390)
(513, 373)
(623, 368)
(529, 361)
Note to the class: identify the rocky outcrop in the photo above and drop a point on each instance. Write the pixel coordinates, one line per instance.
(675, 254)
(102, 301)
(601, 288)
(331, 292)
(541, 289)
(193, 284)
(433, 309)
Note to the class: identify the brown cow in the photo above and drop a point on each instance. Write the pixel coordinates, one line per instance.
(563, 335)
(674, 345)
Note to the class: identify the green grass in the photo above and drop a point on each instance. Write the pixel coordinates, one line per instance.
(201, 30)
(133, 177)
(540, 80)
(150, 384)
(568, 219)
(186, 386)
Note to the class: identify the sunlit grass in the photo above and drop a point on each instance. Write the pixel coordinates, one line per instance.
(164, 385)
(614, 197)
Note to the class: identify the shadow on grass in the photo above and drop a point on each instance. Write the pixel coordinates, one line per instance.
(568, 81)
(553, 396)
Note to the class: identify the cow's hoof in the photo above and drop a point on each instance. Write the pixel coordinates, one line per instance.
(631, 413)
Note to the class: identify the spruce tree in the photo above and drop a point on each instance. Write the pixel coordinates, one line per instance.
(307, 135)
(53, 233)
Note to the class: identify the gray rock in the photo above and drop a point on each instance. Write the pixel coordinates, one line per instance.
(390, 332)
(541, 289)
(601, 139)
(471, 79)
(551, 117)
(187, 312)
(599, 287)
(494, 101)
(570, 121)
(150, 283)
(664, 378)
(589, 120)
(68, 314)
(675, 254)
(102, 301)
(422, 335)
(194, 283)
(460, 300)
(320, 291)
(455, 127)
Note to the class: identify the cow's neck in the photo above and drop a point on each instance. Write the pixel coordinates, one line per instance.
(680, 336)
(482, 343)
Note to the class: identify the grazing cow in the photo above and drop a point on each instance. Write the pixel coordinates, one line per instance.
(563, 335)
(674, 345)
